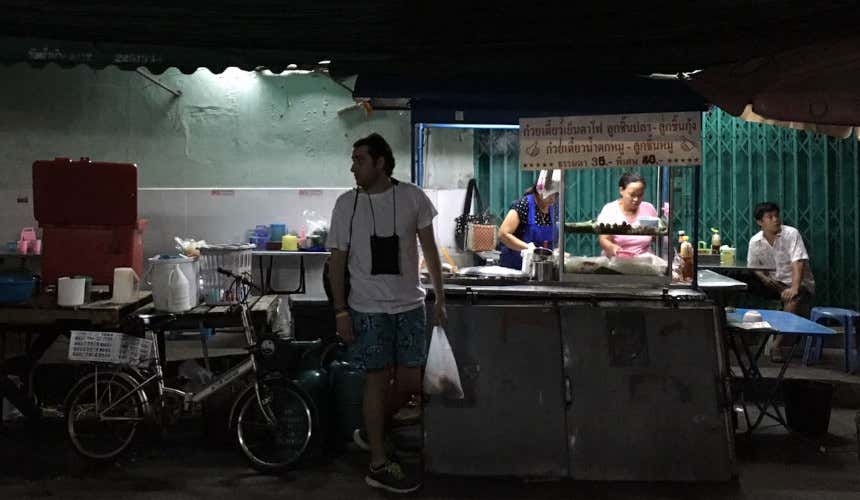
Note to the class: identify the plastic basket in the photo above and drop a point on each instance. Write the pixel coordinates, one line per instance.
(108, 347)
(217, 287)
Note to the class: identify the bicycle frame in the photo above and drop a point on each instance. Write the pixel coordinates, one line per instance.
(247, 366)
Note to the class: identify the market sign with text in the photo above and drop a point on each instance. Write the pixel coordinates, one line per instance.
(596, 141)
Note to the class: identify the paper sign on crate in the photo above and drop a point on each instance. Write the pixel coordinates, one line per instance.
(108, 347)
(600, 141)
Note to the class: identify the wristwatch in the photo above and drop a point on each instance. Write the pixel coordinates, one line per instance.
(340, 309)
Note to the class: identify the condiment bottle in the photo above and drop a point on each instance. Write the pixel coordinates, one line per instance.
(686, 255)
(716, 242)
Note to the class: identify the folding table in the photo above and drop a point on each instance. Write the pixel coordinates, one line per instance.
(781, 323)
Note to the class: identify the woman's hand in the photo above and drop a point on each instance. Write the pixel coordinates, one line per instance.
(609, 247)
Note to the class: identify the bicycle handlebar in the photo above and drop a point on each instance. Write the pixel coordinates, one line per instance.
(237, 277)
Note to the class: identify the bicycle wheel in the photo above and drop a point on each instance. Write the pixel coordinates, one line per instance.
(106, 436)
(274, 431)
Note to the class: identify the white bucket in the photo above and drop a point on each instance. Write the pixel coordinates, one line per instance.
(158, 278)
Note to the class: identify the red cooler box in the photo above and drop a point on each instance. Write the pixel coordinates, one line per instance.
(91, 251)
(84, 193)
(88, 214)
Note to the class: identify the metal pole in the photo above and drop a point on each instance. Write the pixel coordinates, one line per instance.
(418, 172)
(176, 93)
(670, 226)
(414, 144)
(562, 194)
(697, 188)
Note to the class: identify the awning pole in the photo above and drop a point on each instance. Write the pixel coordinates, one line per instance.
(176, 93)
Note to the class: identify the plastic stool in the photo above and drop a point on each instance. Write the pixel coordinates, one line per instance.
(845, 317)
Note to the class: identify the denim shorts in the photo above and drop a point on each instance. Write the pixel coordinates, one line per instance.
(387, 340)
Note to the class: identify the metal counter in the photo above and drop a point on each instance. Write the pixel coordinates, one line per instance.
(588, 383)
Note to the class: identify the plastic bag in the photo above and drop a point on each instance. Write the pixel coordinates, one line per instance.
(644, 264)
(198, 377)
(441, 375)
(189, 247)
(527, 255)
(314, 231)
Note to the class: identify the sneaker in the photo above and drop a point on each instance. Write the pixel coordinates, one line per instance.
(390, 477)
(359, 437)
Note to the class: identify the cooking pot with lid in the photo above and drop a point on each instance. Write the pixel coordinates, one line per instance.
(544, 270)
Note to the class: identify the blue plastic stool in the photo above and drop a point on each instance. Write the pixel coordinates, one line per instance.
(845, 317)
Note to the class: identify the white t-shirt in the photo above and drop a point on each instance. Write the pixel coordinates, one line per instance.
(382, 293)
(788, 247)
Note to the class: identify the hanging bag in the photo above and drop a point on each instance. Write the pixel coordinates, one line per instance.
(475, 232)
(440, 374)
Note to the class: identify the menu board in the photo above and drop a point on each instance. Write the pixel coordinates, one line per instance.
(600, 141)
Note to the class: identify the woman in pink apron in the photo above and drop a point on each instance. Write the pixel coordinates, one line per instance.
(629, 207)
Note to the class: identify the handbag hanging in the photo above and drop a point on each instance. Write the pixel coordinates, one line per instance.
(461, 223)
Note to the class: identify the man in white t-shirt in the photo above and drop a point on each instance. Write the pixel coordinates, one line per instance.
(374, 234)
(781, 248)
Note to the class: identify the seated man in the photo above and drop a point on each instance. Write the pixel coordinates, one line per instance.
(781, 247)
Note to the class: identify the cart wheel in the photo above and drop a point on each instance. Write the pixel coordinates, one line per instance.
(106, 436)
(274, 431)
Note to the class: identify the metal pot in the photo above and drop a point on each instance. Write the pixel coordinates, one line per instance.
(544, 270)
(541, 254)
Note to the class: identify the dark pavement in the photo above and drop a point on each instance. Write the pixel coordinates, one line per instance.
(188, 464)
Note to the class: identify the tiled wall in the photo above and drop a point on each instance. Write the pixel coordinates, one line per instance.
(221, 216)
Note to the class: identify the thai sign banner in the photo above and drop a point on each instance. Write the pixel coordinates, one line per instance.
(600, 141)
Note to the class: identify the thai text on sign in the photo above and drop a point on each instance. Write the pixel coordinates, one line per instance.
(596, 141)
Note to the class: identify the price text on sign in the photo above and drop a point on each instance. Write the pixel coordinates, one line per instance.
(571, 142)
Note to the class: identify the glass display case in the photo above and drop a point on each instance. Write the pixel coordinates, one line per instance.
(674, 193)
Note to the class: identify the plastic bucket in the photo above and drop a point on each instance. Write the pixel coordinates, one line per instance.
(158, 275)
(807, 406)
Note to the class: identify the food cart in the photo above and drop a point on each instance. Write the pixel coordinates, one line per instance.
(592, 376)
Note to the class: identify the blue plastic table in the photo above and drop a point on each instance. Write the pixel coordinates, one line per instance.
(782, 323)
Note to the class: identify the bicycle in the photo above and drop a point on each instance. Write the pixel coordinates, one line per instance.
(273, 419)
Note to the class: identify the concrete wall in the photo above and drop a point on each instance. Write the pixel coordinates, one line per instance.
(235, 129)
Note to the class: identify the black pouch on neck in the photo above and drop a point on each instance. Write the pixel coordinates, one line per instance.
(385, 250)
(385, 254)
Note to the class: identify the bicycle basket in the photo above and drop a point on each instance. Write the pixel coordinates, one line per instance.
(217, 287)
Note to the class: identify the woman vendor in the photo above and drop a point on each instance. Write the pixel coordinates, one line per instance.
(628, 208)
(530, 222)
